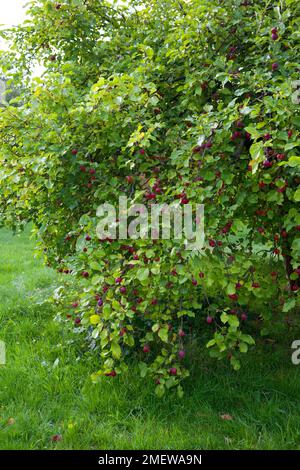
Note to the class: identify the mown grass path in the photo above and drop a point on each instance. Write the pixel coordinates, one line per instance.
(46, 390)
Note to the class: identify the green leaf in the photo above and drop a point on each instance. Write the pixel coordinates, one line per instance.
(180, 392)
(297, 195)
(116, 350)
(235, 363)
(243, 347)
(163, 333)
(160, 390)
(142, 274)
(289, 305)
(247, 339)
(293, 161)
(224, 317)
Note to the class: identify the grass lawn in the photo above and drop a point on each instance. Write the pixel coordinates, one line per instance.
(45, 389)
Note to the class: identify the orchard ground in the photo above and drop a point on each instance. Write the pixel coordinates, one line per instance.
(45, 389)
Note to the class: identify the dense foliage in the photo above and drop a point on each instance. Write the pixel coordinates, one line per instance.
(161, 100)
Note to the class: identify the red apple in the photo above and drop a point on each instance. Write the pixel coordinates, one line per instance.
(181, 354)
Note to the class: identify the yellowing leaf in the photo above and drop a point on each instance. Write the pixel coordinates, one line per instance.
(94, 319)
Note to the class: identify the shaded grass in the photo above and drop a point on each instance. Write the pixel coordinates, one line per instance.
(45, 389)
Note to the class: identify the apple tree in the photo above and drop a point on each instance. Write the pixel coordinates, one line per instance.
(194, 101)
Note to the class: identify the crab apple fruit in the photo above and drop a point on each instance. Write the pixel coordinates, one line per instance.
(267, 136)
(280, 156)
(290, 134)
(185, 200)
(82, 168)
(74, 151)
(181, 354)
(100, 303)
(255, 285)
(244, 317)
(173, 371)
(194, 282)
(150, 196)
(88, 238)
(233, 296)
(284, 233)
(274, 36)
(118, 280)
(197, 149)
(212, 243)
(261, 212)
(209, 319)
(146, 348)
(142, 152)
(129, 179)
(123, 290)
(85, 274)
(56, 438)
(238, 285)
(75, 304)
(201, 275)
(267, 164)
(111, 374)
(77, 320)
(181, 334)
